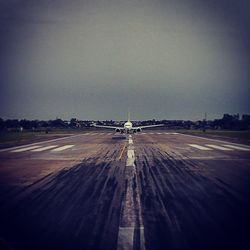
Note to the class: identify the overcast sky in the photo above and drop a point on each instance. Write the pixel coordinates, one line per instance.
(94, 59)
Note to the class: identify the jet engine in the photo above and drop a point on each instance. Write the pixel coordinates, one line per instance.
(137, 130)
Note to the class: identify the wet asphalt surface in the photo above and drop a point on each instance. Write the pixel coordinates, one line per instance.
(74, 199)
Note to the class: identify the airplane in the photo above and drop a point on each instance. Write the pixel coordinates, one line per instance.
(127, 127)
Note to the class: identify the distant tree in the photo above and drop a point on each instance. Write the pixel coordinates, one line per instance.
(246, 118)
(1, 123)
(73, 123)
(246, 121)
(231, 121)
(43, 124)
(26, 124)
(57, 123)
(12, 123)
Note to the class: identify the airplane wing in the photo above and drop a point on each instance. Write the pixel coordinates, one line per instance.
(110, 127)
(148, 126)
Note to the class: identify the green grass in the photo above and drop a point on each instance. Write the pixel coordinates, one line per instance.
(9, 138)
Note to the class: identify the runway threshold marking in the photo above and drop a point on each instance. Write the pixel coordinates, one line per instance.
(236, 147)
(122, 151)
(44, 148)
(215, 140)
(62, 148)
(38, 143)
(25, 149)
(218, 147)
(199, 147)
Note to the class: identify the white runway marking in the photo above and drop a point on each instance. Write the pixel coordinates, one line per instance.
(200, 158)
(126, 238)
(62, 148)
(221, 141)
(131, 230)
(131, 153)
(37, 143)
(25, 149)
(218, 147)
(130, 158)
(199, 147)
(44, 148)
(170, 133)
(236, 147)
(159, 133)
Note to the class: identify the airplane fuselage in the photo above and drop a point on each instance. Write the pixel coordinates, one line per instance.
(128, 127)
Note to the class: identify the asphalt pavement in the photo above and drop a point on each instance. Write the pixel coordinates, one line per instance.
(100, 190)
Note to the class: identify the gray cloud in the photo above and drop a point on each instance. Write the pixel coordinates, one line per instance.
(96, 59)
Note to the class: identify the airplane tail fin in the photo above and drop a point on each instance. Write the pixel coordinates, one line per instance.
(128, 116)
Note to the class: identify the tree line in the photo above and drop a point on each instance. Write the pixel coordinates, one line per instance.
(230, 122)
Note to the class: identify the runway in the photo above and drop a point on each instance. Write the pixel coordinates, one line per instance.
(151, 190)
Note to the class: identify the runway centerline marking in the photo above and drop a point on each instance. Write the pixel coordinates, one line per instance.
(25, 149)
(62, 148)
(131, 230)
(218, 147)
(130, 158)
(199, 147)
